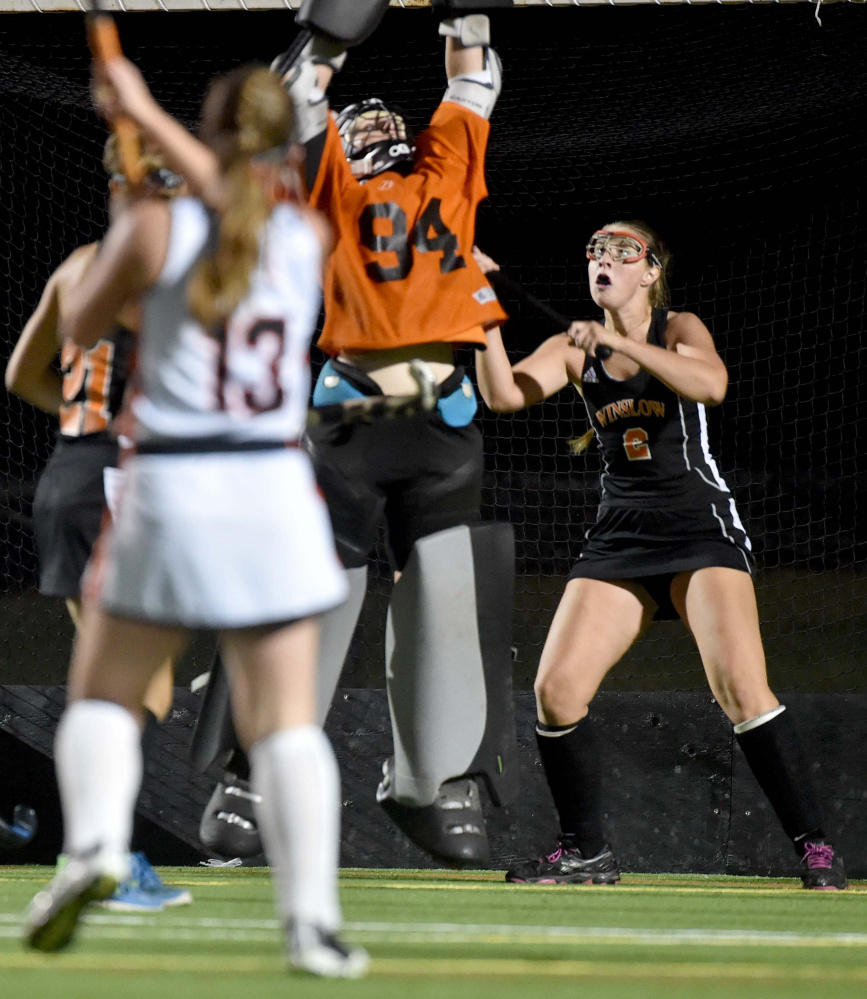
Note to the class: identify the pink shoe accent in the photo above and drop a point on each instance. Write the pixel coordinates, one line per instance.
(819, 856)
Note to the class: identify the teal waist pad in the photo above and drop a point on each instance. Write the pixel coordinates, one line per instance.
(331, 389)
(456, 409)
(459, 408)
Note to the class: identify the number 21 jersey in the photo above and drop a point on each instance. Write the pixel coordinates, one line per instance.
(402, 271)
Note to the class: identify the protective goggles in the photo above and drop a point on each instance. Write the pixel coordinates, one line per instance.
(622, 247)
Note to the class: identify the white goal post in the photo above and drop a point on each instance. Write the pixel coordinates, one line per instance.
(116, 6)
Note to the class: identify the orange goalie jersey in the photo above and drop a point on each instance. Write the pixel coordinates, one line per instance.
(402, 270)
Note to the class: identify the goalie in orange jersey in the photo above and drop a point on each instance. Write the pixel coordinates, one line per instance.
(401, 286)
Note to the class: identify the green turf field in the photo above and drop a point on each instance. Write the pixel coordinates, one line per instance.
(445, 935)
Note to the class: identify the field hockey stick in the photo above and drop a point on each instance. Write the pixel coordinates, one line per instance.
(498, 280)
(284, 62)
(382, 407)
(104, 44)
(21, 831)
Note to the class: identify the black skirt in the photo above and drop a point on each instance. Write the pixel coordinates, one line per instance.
(650, 547)
(68, 509)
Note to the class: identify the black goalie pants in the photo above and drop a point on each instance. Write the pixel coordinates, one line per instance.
(419, 474)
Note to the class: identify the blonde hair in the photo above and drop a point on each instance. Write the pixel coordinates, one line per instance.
(150, 160)
(578, 445)
(246, 113)
(659, 290)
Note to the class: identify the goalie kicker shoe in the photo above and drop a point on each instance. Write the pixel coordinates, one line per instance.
(567, 865)
(321, 953)
(451, 830)
(54, 913)
(823, 868)
(229, 826)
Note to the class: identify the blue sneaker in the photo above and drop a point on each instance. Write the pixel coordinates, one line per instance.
(130, 898)
(127, 897)
(152, 885)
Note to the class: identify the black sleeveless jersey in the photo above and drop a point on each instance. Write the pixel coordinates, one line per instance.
(654, 443)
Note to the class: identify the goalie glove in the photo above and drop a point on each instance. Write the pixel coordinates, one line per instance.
(474, 29)
(300, 79)
(476, 91)
(324, 52)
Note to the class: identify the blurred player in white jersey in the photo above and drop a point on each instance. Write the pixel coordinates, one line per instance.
(220, 524)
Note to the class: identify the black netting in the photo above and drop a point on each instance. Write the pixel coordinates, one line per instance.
(735, 131)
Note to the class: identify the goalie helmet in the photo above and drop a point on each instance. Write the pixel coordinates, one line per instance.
(375, 138)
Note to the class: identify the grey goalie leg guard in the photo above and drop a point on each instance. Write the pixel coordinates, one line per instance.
(229, 825)
(337, 627)
(449, 679)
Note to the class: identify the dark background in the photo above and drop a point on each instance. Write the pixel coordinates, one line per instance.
(734, 130)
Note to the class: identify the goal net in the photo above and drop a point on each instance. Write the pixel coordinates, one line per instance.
(735, 130)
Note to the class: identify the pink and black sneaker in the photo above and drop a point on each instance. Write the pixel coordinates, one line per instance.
(824, 869)
(567, 865)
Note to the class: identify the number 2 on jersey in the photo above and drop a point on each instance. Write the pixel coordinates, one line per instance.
(401, 243)
(635, 444)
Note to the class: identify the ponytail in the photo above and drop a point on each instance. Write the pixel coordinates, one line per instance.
(246, 113)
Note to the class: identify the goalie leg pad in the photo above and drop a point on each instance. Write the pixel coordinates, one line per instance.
(449, 664)
(337, 627)
(346, 21)
(214, 733)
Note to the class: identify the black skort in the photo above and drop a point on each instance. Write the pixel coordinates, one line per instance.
(650, 547)
(68, 510)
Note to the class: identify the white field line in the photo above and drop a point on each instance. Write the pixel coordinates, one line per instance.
(129, 927)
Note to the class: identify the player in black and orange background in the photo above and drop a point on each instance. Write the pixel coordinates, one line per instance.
(86, 391)
(402, 286)
(667, 544)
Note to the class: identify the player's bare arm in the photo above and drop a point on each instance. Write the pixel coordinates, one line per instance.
(545, 372)
(121, 89)
(689, 365)
(31, 374)
(130, 261)
(550, 368)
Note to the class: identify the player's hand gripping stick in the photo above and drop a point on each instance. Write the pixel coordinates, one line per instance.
(104, 46)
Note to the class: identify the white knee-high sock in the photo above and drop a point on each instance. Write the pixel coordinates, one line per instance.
(295, 773)
(98, 759)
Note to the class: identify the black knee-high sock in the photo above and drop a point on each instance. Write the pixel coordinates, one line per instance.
(776, 756)
(148, 741)
(571, 762)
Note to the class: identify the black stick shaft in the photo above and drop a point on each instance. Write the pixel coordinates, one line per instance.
(499, 280)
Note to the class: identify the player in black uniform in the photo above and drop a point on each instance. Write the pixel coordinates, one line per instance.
(667, 543)
(69, 505)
